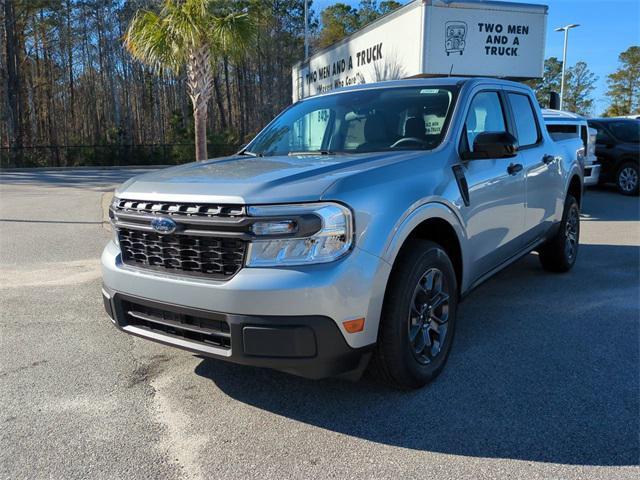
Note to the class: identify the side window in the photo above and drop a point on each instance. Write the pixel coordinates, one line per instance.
(525, 119)
(562, 131)
(485, 115)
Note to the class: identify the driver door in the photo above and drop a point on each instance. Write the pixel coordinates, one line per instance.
(495, 215)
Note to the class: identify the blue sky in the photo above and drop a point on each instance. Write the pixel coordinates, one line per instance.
(608, 27)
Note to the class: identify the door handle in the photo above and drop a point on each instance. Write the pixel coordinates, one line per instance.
(547, 159)
(514, 168)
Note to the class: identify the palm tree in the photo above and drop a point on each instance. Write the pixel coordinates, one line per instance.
(190, 34)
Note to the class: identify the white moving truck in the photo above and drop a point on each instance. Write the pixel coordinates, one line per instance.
(432, 38)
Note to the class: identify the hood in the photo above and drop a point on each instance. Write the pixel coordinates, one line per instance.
(254, 180)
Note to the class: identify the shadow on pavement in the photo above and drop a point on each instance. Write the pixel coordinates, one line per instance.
(607, 204)
(544, 368)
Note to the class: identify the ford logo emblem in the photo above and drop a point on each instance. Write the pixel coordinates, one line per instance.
(163, 225)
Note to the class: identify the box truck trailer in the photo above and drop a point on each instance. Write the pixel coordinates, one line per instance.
(432, 38)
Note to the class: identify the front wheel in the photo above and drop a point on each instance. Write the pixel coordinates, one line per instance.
(559, 253)
(627, 179)
(418, 316)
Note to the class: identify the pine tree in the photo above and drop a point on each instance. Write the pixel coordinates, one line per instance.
(624, 84)
(580, 83)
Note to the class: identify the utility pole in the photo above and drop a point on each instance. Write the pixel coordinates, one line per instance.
(306, 29)
(564, 29)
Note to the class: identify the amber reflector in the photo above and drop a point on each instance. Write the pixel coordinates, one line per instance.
(354, 326)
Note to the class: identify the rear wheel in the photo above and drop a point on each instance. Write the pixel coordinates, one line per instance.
(418, 317)
(627, 179)
(559, 253)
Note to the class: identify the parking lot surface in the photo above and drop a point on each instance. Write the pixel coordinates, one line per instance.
(542, 382)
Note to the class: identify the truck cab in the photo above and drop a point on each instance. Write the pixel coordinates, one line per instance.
(345, 234)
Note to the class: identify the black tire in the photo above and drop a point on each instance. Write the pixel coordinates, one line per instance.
(628, 179)
(420, 268)
(559, 253)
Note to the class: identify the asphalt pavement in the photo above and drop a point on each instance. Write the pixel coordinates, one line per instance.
(542, 382)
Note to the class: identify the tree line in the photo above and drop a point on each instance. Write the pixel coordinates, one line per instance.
(72, 93)
(66, 79)
(623, 89)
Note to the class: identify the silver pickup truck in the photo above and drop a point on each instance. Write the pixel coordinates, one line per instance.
(347, 231)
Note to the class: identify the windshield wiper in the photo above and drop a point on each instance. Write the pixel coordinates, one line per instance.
(312, 152)
(251, 154)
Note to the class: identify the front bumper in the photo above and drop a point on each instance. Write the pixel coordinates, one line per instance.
(591, 174)
(308, 346)
(296, 311)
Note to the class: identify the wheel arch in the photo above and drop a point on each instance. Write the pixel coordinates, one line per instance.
(626, 158)
(575, 188)
(436, 222)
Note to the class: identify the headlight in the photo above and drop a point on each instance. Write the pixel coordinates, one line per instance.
(114, 202)
(303, 234)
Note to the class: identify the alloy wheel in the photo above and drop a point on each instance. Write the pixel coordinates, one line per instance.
(628, 179)
(571, 234)
(428, 316)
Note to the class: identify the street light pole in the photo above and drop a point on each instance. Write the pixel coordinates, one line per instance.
(306, 29)
(564, 29)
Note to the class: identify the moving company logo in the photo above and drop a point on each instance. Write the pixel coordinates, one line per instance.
(455, 35)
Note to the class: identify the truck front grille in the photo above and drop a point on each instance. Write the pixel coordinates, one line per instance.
(188, 254)
(210, 332)
(209, 240)
(179, 209)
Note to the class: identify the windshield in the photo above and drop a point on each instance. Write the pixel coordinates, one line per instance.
(626, 130)
(360, 121)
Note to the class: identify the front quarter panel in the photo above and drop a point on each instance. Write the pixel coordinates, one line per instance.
(383, 199)
(390, 202)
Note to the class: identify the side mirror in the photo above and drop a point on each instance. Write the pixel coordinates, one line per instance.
(491, 145)
(554, 101)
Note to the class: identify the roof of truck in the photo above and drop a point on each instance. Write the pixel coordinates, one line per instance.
(612, 119)
(561, 117)
(550, 114)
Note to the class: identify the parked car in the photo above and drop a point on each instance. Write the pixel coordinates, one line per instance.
(562, 125)
(618, 151)
(347, 230)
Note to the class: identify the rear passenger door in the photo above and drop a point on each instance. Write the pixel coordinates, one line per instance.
(543, 177)
(495, 214)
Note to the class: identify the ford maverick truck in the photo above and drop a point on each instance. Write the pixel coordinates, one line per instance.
(345, 234)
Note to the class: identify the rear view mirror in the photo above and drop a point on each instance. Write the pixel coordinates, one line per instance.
(490, 145)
